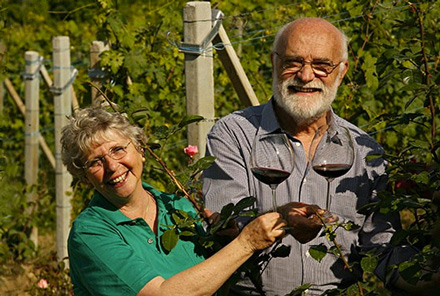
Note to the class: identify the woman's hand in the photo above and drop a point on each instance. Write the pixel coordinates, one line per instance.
(262, 232)
(232, 229)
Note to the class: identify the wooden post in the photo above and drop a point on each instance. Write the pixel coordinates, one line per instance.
(2, 90)
(235, 71)
(62, 103)
(48, 81)
(198, 73)
(14, 95)
(32, 90)
(2, 95)
(96, 73)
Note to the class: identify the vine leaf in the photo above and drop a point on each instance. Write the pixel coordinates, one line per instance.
(318, 252)
(169, 239)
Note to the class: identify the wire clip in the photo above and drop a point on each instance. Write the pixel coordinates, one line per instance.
(199, 49)
(60, 90)
(32, 76)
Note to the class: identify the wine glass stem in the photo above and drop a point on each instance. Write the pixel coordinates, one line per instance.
(327, 201)
(274, 199)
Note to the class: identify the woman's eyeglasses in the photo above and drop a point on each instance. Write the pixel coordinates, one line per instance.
(94, 165)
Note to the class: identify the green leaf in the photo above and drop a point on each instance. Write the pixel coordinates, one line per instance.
(369, 264)
(353, 290)
(350, 225)
(244, 203)
(186, 233)
(190, 119)
(227, 210)
(398, 237)
(177, 219)
(298, 291)
(204, 163)
(369, 67)
(410, 271)
(169, 239)
(281, 252)
(318, 252)
(161, 132)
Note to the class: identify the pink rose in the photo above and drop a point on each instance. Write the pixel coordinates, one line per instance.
(43, 284)
(191, 150)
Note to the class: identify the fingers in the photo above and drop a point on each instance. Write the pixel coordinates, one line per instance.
(275, 223)
(212, 217)
(300, 208)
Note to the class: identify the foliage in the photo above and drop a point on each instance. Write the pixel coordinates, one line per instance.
(391, 91)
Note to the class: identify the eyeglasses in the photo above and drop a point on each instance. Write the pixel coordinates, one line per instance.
(295, 64)
(94, 165)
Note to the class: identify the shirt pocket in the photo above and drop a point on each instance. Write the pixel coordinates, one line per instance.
(345, 205)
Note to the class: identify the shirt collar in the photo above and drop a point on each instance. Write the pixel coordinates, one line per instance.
(113, 213)
(269, 120)
(270, 124)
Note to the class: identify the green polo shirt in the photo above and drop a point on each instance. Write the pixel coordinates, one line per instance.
(111, 254)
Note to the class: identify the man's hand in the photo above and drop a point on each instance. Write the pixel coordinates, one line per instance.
(422, 288)
(300, 225)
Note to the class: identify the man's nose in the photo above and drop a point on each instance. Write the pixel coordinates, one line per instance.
(306, 74)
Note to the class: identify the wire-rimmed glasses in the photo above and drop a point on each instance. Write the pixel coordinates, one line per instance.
(321, 68)
(95, 164)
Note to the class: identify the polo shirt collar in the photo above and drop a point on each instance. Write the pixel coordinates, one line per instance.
(112, 212)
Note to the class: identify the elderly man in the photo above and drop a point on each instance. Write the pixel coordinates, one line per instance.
(309, 61)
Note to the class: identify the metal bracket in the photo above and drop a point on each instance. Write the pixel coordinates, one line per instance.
(60, 90)
(32, 76)
(199, 49)
(96, 73)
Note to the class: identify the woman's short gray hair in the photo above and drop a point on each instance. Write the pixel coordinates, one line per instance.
(86, 128)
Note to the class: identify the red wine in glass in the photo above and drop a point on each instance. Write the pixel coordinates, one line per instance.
(332, 170)
(333, 154)
(270, 176)
(271, 160)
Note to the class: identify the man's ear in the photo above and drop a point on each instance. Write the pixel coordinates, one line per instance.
(272, 61)
(343, 72)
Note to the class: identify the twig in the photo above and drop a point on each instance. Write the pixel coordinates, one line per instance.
(340, 254)
(176, 181)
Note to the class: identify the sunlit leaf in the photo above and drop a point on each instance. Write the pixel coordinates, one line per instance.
(190, 119)
(318, 252)
(169, 239)
(245, 203)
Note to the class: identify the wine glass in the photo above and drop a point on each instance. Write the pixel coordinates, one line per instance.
(272, 160)
(333, 157)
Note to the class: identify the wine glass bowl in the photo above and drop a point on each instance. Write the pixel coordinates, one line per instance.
(271, 160)
(332, 150)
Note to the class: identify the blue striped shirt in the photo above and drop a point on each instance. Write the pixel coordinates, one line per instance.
(230, 179)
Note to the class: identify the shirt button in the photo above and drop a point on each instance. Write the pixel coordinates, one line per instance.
(297, 144)
(150, 240)
(305, 180)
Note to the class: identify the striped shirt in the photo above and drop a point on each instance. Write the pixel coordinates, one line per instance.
(230, 179)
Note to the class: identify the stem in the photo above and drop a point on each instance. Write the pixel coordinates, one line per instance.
(427, 76)
(340, 254)
(327, 201)
(274, 199)
(198, 207)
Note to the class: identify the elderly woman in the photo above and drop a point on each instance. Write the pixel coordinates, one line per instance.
(114, 246)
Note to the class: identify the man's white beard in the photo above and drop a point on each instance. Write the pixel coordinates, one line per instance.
(304, 109)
